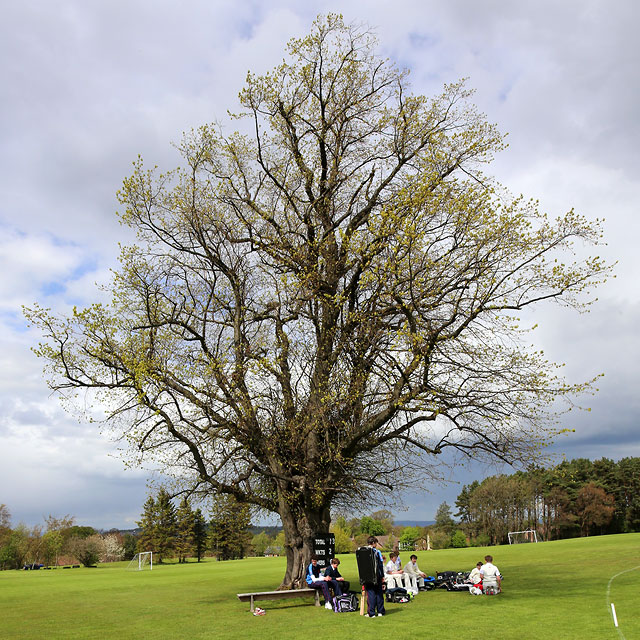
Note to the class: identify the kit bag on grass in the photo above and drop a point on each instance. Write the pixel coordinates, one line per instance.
(402, 597)
(345, 603)
(397, 595)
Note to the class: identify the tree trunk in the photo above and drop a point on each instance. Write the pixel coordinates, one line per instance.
(301, 526)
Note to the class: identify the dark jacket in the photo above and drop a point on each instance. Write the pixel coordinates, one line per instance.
(331, 572)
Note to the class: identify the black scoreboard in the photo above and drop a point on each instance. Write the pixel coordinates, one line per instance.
(324, 546)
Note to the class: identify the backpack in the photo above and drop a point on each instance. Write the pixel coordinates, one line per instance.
(345, 603)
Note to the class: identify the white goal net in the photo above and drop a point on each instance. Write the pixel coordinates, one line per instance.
(517, 537)
(141, 561)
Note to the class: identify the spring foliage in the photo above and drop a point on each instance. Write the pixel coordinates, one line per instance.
(331, 298)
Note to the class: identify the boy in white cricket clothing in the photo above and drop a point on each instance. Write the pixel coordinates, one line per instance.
(490, 575)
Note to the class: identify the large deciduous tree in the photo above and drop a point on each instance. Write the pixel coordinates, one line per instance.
(595, 507)
(319, 307)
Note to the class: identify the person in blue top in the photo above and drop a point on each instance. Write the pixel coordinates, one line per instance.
(317, 581)
(375, 599)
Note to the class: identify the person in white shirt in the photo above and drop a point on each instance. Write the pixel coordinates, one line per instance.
(393, 576)
(410, 582)
(412, 571)
(475, 578)
(490, 575)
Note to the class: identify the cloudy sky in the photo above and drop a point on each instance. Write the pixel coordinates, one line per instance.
(87, 85)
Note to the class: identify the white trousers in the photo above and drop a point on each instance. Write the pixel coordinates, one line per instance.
(402, 581)
(411, 584)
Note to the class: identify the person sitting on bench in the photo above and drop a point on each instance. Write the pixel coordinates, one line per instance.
(316, 581)
(337, 583)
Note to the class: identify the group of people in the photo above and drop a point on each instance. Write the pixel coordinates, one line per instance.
(485, 577)
(392, 575)
(410, 577)
(330, 579)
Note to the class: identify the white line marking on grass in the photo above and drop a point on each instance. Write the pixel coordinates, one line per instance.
(609, 603)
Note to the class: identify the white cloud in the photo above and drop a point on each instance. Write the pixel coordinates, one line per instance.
(85, 87)
(33, 262)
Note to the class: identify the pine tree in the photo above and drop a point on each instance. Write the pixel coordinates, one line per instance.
(229, 534)
(184, 530)
(147, 524)
(166, 526)
(199, 534)
(444, 521)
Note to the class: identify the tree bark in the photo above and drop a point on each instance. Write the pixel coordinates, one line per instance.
(301, 525)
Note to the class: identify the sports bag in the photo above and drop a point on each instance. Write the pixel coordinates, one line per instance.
(401, 597)
(397, 595)
(345, 603)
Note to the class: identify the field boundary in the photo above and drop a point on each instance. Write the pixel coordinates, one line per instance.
(620, 634)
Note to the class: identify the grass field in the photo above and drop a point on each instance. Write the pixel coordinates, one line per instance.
(552, 590)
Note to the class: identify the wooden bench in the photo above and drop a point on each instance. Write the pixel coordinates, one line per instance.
(279, 595)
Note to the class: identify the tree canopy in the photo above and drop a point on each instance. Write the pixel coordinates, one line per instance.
(316, 309)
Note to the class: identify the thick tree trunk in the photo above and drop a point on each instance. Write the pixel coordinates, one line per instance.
(301, 526)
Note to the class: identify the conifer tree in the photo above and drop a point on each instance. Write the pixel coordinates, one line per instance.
(199, 534)
(147, 524)
(166, 526)
(184, 530)
(229, 533)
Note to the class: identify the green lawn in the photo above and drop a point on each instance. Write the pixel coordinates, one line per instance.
(552, 590)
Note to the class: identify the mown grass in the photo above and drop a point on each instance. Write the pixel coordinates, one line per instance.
(552, 590)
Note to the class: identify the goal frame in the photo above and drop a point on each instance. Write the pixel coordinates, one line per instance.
(532, 533)
(141, 560)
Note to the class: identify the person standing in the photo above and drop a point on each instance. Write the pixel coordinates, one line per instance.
(375, 598)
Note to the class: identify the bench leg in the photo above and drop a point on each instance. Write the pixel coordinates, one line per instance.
(317, 597)
(252, 609)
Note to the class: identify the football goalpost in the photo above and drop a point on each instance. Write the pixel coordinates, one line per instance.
(141, 561)
(517, 537)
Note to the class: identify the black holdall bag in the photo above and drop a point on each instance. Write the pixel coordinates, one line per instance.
(366, 559)
(396, 595)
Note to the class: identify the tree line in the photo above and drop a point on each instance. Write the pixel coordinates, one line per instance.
(170, 531)
(575, 498)
(59, 541)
